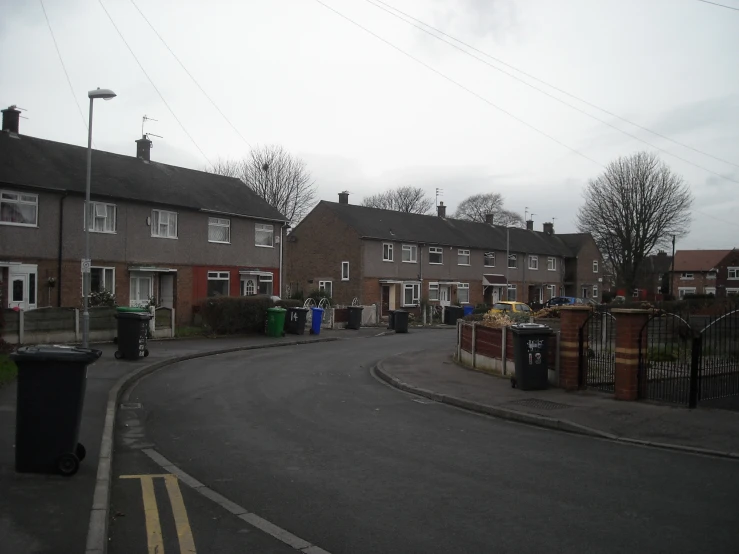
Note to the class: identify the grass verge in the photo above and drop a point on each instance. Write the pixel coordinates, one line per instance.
(8, 371)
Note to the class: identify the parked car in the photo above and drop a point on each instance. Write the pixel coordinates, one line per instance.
(562, 301)
(510, 307)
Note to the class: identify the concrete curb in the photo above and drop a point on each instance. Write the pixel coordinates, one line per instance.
(538, 420)
(97, 531)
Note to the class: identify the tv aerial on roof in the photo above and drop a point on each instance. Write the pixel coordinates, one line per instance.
(143, 122)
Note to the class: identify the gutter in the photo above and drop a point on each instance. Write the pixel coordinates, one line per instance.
(204, 210)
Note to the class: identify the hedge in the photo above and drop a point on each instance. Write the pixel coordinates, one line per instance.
(227, 315)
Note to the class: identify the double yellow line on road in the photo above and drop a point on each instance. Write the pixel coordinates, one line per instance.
(151, 513)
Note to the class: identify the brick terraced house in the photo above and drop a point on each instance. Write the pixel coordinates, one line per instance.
(157, 231)
(397, 259)
(706, 272)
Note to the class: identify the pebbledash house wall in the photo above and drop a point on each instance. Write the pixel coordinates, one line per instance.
(190, 254)
(315, 250)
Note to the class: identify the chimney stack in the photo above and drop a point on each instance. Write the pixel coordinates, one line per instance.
(441, 209)
(529, 224)
(143, 148)
(549, 228)
(344, 197)
(489, 218)
(11, 117)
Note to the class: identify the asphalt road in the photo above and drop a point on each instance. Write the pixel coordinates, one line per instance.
(307, 439)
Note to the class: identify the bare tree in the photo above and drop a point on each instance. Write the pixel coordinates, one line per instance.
(279, 177)
(635, 206)
(406, 199)
(478, 206)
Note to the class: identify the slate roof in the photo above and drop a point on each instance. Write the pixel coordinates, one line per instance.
(36, 162)
(698, 260)
(430, 229)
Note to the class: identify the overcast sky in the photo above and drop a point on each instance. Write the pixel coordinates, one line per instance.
(365, 117)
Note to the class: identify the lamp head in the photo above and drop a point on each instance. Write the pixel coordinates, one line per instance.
(104, 93)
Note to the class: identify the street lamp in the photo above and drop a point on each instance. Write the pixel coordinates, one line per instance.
(105, 94)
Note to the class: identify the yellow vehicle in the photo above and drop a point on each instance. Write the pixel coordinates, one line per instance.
(510, 307)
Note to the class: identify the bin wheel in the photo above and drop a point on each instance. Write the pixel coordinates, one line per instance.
(118, 354)
(513, 382)
(146, 353)
(68, 464)
(80, 451)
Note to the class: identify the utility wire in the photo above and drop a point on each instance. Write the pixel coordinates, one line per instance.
(720, 5)
(153, 85)
(64, 67)
(733, 224)
(190, 75)
(467, 45)
(460, 85)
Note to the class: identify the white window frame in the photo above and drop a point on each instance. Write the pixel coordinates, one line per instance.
(511, 287)
(486, 256)
(220, 223)
(461, 254)
(220, 276)
(93, 211)
(595, 292)
(711, 275)
(111, 290)
(551, 264)
(412, 251)
(552, 291)
(687, 276)
(436, 250)
(19, 200)
(683, 291)
(709, 290)
(585, 292)
(387, 252)
(513, 258)
(533, 262)
(322, 287)
(732, 291)
(415, 295)
(156, 224)
(595, 266)
(269, 230)
(463, 286)
(434, 292)
(344, 271)
(136, 277)
(734, 271)
(266, 278)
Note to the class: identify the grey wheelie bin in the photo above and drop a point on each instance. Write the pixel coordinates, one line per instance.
(51, 392)
(530, 346)
(295, 320)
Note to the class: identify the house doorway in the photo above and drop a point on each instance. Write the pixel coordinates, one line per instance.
(385, 299)
(445, 295)
(142, 287)
(166, 290)
(22, 286)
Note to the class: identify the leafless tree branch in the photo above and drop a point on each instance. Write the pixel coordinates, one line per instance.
(401, 199)
(478, 206)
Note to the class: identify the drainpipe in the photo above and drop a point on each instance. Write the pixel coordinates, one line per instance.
(59, 254)
(282, 239)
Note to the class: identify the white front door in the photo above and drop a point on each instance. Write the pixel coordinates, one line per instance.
(166, 290)
(22, 287)
(496, 294)
(445, 295)
(141, 289)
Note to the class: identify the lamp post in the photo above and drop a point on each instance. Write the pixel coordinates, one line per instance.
(507, 257)
(105, 94)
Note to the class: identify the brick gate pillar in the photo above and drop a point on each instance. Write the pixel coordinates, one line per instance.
(572, 318)
(629, 324)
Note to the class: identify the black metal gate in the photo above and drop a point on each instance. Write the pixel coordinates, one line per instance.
(681, 365)
(597, 359)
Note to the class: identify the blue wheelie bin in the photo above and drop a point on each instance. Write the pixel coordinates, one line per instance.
(316, 320)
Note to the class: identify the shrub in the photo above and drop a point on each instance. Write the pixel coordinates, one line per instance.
(481, 309)
(289, 303)
(552, 312)
(235, 314)
(496, 319)
(8, 370)
(103, 298)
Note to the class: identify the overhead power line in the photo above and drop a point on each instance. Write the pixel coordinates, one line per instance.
(182, 65)
(64, 67)
(153, 85)
(719, 5)
(467, 45)
(460, 85)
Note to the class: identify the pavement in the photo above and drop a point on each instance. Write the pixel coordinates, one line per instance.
(302, 450)
(51, 514)
(437, 376)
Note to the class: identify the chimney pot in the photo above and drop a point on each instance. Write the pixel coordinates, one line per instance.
(549, 228)
(143, 148)
(529, 224)
(441, 209)
(11, 117)
(343, 197)
(489, 218)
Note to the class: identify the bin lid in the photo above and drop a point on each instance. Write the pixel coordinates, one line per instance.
(400, 311)
(130, 309)
(55, 353)
(530, 327)
(276, 310)
(134, 315)
(316, 309)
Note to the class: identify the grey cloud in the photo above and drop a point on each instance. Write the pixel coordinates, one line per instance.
(694, 116)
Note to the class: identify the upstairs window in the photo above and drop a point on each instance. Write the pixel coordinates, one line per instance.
(163, 224)
(733, 273)
(551, 264)
(463, 257)
(595, 266)
(512, 261)
(436, 255)
(387, 252)
(410, 253)
(102, 217)
(18, 209)
(489, 259)
(219, 230)
(264, 235)
(686, 276)
(344, 271)
(533, 262)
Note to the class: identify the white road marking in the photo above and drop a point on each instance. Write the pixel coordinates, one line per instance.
(260, 523)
